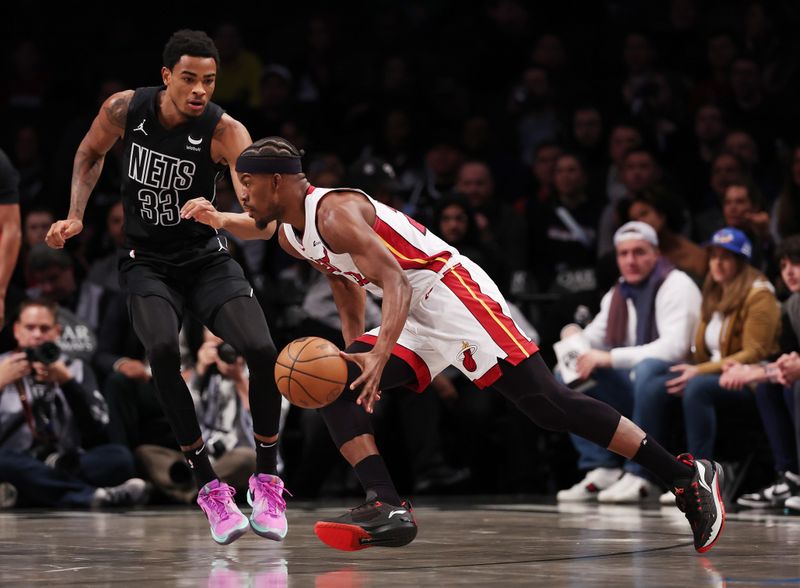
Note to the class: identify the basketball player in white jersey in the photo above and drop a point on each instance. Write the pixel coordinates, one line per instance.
(439, 309)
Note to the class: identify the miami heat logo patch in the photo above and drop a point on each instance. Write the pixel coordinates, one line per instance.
(467, 356)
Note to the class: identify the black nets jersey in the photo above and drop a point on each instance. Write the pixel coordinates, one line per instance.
(163, 169)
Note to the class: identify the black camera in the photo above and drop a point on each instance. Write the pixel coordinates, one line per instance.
(227, 353)
(45, 353)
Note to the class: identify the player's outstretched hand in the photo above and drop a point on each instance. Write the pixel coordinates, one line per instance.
(202, 211)
(62, 230)
(371, 365)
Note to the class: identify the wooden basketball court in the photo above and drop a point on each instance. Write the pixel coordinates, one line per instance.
(477, 544)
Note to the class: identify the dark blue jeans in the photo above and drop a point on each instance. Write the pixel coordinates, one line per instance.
(40, 485)
(638, 394)
(702, 398)
(777, 409)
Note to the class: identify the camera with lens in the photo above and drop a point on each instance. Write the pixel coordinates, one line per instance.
(45, 353)
(227, 353)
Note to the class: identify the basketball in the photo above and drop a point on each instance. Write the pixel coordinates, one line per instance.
(310, 373)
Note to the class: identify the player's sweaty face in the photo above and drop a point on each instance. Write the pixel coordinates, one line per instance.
(190, 84)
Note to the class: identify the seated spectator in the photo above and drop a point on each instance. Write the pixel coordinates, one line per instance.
(692, 169)
(53, 449)
(726, 168)
(743, 209)
(640, 171)
(443, 158)
(219, 387)
(645, 325)
(588, 142)
(37, 223)
(786, 210)
(565, 232)
(454, 221)
(661, 211)
(740, 321)
(52, 276)
(543, 168)
(742, 144)
(497, 224)
(778, 391)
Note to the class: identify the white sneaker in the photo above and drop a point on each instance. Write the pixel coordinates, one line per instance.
(667, 499)
(587, 489)
(792, 503)
(629, 488)
(132, 492)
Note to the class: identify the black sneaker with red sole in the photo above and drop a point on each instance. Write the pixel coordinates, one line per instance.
(700, 499)
(373, 524)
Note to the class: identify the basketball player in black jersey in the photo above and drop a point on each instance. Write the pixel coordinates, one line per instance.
(344, 223)
(176, 143)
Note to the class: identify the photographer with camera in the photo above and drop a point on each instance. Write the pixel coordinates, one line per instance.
(53, 449)
(219, 388)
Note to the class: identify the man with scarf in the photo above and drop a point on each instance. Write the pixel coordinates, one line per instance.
(645, 321)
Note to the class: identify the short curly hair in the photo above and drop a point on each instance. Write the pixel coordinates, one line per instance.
(187, 42)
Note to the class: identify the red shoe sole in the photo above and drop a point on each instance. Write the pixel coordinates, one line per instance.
(340, 536)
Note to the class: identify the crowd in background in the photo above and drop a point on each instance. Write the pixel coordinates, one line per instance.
(524, 136)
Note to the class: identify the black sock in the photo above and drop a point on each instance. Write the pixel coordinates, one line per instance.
(267, 457)
(200, 465)
(666, 466)
(374, 476)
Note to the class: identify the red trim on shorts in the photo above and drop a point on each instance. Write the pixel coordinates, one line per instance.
(489, 378)
(516, 345)
(419, 366)
(410, 256)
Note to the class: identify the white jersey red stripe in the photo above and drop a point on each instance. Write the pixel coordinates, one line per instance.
(487, 312)
(421, 254)
(457, 315)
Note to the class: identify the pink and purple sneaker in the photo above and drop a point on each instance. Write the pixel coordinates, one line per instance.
(226, 520)
(265, 495)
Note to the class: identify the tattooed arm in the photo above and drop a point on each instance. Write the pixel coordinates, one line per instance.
(107, 127)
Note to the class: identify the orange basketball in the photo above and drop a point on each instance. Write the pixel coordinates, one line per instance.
(310, 373)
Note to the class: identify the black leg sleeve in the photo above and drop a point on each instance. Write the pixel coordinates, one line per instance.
(156, 324)
(241, 323)
(534, 390)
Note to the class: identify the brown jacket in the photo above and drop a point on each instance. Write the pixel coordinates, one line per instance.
(749, 334)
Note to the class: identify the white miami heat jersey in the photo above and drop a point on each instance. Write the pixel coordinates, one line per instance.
(423, 256)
